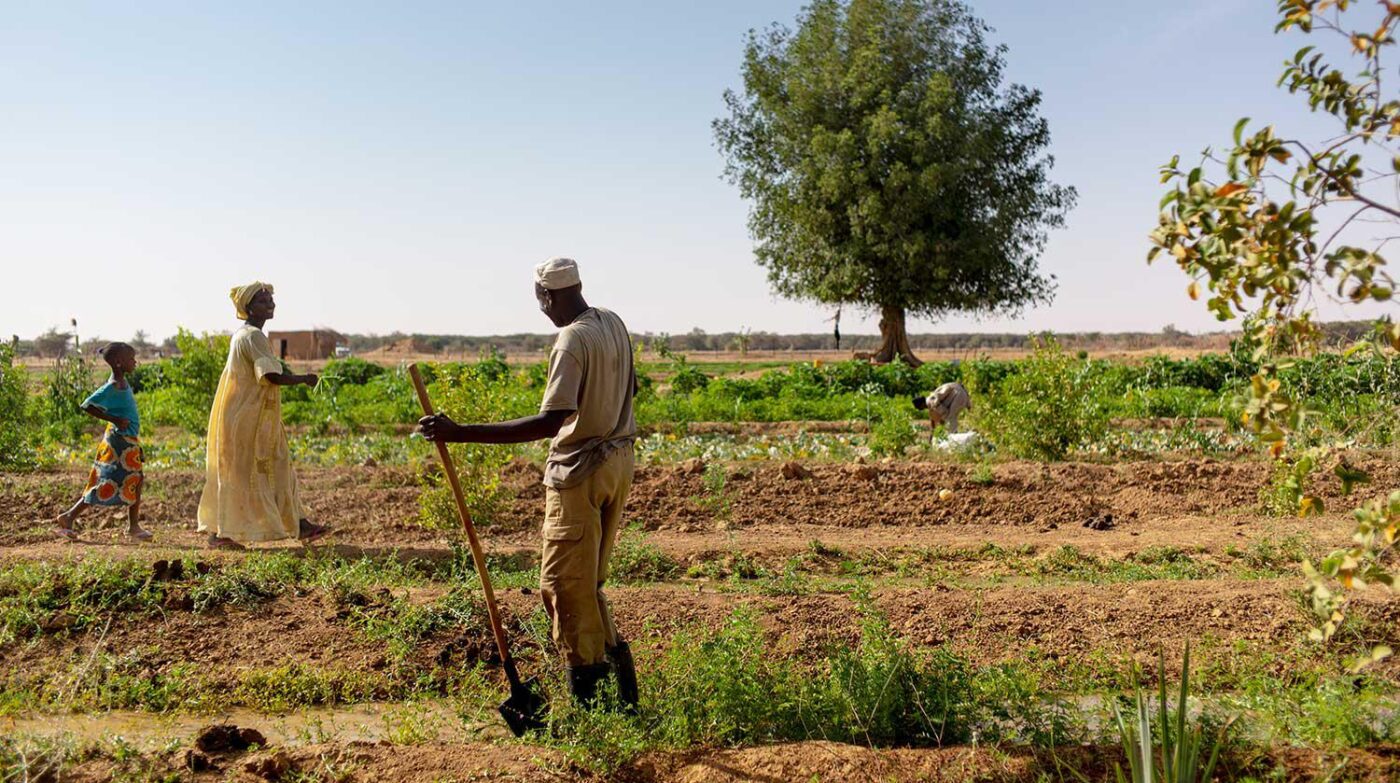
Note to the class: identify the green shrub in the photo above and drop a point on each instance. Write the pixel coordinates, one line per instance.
(1211, 372)
(69, 383)
(1285, 494)
(182, 392)
(892, 428)
(686, 378)
(883, 692)
(1047, 410)
(351, 370)
(384, 400)
(1173, 402)
(474, 393)
(17, 435)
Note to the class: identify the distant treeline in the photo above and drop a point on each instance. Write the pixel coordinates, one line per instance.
(697, 340)
(700, 340)
(56, 343)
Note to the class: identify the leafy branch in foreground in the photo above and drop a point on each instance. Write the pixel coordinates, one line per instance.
(1283, 228)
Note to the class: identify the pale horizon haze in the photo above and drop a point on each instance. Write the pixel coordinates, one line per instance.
(402, 167)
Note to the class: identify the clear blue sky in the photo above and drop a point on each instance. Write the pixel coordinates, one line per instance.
(403, 166)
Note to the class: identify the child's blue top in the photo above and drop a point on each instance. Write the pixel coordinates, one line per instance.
(117, 402)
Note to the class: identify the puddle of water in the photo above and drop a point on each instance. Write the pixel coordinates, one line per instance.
(374, 722)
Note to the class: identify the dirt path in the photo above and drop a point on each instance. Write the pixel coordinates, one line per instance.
(1198, 503)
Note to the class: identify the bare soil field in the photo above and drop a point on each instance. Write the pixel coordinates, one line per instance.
(1064, 564)
(808, 761)
(1199, 503)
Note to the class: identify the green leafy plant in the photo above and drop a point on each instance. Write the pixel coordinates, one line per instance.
(18, 436)
(715, 497)
(983, 475)
(183, 390)
(1177, 749)
(473, 393)
(352, 370)
(635, 559)
(1286, 493)
(686, 378)
(1264, 230)
(1051, 406)
(892, 428)
(68, 384)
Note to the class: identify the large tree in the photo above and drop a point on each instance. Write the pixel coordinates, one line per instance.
(888, 166)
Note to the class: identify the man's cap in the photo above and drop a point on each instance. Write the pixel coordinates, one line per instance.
(556, 273)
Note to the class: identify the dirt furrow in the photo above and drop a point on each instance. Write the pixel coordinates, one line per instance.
(987, 626)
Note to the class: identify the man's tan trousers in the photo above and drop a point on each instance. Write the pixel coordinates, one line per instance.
(580, 528)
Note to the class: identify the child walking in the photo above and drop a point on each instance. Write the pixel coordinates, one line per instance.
(116, 475)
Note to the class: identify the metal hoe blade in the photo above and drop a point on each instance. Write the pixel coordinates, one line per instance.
(523, 709)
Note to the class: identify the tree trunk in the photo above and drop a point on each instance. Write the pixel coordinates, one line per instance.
(894, 339)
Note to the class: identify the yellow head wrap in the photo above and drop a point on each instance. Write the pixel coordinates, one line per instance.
(244, 294)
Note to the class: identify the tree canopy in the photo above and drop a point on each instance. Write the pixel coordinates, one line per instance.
(889, 167)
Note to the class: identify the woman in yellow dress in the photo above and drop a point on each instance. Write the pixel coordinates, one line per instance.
(250, 491)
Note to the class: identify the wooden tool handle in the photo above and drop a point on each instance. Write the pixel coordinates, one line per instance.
(477, 554)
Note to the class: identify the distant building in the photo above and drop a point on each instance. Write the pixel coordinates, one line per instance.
(315, 344)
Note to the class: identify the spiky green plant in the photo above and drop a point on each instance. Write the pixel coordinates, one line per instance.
(1187, 753)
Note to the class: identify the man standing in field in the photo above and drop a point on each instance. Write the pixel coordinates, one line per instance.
(587, 410)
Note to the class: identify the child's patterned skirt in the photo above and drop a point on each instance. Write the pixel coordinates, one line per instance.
(116, 476)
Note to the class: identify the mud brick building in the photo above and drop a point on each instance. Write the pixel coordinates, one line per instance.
(313, 344)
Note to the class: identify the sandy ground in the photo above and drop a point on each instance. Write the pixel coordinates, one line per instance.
(986, 607)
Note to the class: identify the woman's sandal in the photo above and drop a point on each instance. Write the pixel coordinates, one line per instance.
(226, 544)
(310, 531)
(140, 534)
(66, 533)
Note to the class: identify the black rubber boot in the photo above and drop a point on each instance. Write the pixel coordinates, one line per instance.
(583, 682)
(626, 672)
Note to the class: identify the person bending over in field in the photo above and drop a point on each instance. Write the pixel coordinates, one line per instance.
(944, 405)
(587, 410)
(115, 479)
(250, 491)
